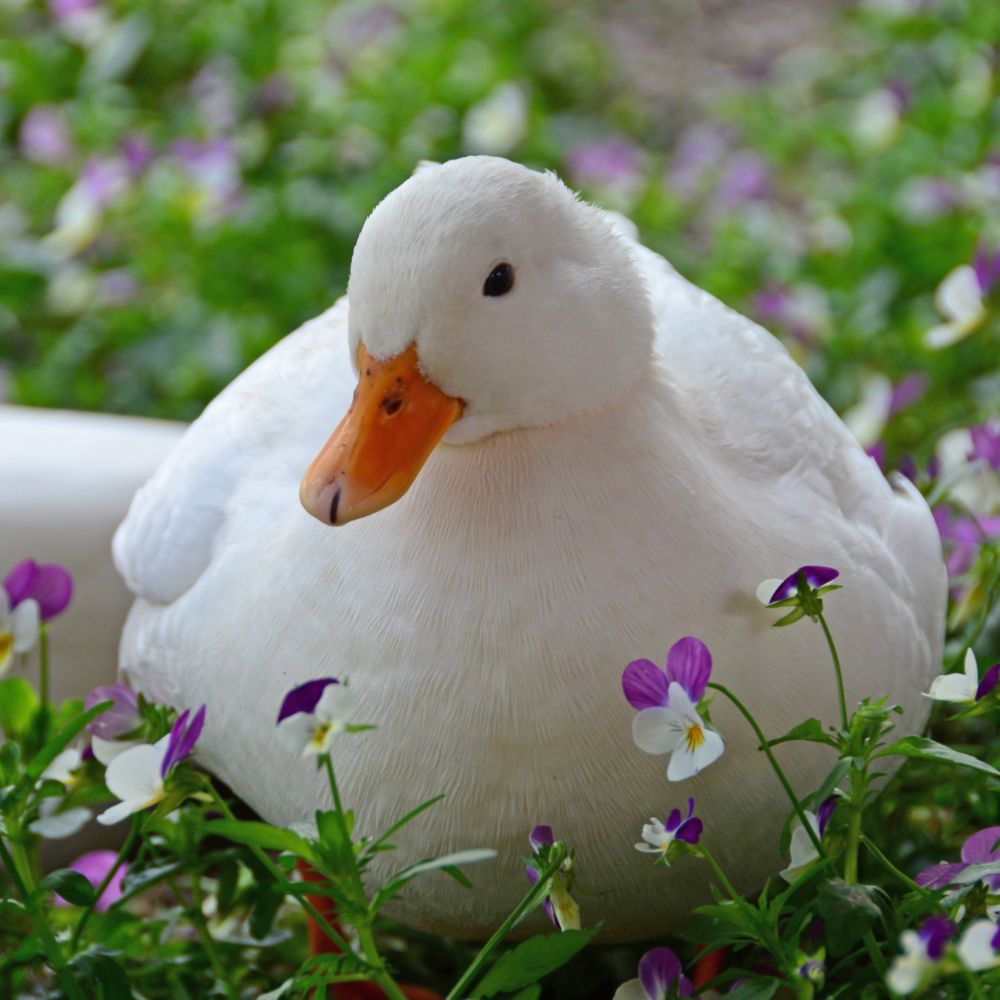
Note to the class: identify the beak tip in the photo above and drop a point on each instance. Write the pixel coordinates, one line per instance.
(334, 504)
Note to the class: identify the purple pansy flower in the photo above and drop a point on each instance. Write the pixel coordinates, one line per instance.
(51, 586)
(964, 535)
(988, 681)
(44, 137)
(121, 718)
(668, 719)
(825, 813)
(313, 713)
(657, 837)
(661, 975)
(986, 265)
(909, 390)
(985, 444)
(605, 162)
(814, 576)
(559, 905)
(921, 952)
(747, 178)
(979, 849)
(183, 736)
(94, 867)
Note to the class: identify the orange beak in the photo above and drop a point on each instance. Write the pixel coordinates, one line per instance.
(372, 458)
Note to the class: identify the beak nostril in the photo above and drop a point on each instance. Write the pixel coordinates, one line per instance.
(333, 507)
(392, 404)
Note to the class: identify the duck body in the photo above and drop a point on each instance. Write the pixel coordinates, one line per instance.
(486, 617)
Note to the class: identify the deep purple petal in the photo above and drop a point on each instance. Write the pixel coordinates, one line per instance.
(659, 968)
(907, 391)
(690, 830)
(532, 874)
(825, 812)
(936, 932)
(995, 940)
(985, 444)
(815, 576)
(981, 847)
(645, 685)
(988, 681)
(121, 718)
(18, 581)
(941, 875)
(53, 589)
(305, 697)
(673, 820)
(183, 736)
(689, 663)
(541, 836)
(550, 912)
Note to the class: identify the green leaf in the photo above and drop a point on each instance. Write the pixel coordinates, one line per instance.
(18, 703)
(71, 885)
(140, 879)
(376, 845)
(101, 970)
(229, 874)
(264, 912)
(754, 989)
(10, 762)
(532, 992)
(57, 744)
(848, 909)
(811, 731)
(531, 960)
(262, 835)
(15, 921)
(926, 749)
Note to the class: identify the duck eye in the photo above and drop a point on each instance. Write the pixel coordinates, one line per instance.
(500, 280)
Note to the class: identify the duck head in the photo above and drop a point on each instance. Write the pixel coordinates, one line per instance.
(484, 297)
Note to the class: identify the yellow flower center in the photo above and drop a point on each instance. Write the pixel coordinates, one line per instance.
(695, 737)
(6, 645)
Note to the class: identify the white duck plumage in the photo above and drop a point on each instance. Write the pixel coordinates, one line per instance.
(634, 458)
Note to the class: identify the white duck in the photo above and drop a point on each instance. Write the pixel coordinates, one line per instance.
(623, 460)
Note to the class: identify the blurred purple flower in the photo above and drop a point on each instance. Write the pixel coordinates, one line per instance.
(700, 150)
(137, 152)
(63, 10)
(660, 973)
(541, 836)
(877, 453)
(986, 444)
(988, 682)
(747, 177)
(986, 264)
(370, 25)
(814, 576)
(907, 391)
(614, 161)
(964, 535)
(118, 720)
(94, 867)
(981, 848)
(213, 166)
(44, 137)
(118, 287)
(183, 736)
(275, 94)
(50, 585)
(104, 179)
(935, 933)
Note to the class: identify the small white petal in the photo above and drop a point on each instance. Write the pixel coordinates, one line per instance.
(686, 762)
(134, 776)
(631, 990)
(971, 668)
(656, 730)
(647, 848)
(765, 589)
(959, 297)
(25, 618)
(119, 812)
(106, 750)
(955, 688)
(338, 703)
(63, 765)
(296, 732)
(867, 418)
(944, 335)
(57, 825)
(802, 851)
(975, 948)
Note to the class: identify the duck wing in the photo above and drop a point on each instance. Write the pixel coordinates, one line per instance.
(267, 422)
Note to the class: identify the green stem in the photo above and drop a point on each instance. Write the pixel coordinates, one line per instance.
(106, 881)
(875, 953)
(49, 943)
(975, 987)
(534, 896)
(43, 666)
(762, 745)
(836, 666)
(858, 787)
(893, 870)
(770, 941)
(279, 876)
(197, 915)
(365, 934)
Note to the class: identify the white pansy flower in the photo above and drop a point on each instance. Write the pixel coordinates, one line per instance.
(497, 123)
(959, 299)
(313, 713)
(977, 947)
(959, 689)
(18, 628)
(677, 729)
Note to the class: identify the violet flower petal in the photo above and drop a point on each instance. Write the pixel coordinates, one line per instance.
(981, 847)
(690, 830)
(985, 444)
(645, 685)
(815, 576)
(988, 681)
(94, 867)
(935, 933)
(673, 821)
(941, 875)
(659, 969)
(50, 585)
(121, 718)
(689, 663)
(183, 736)
(305, 697)
(825, 813)
(541, 836)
